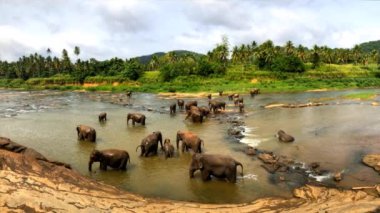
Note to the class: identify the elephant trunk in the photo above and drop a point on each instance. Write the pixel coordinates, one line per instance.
(241, 165)
(90, 165)
(160, 139)
(191, 172)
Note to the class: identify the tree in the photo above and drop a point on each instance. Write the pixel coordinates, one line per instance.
(287, 63)
(76, 51)
(289, 48)
(66, 63)
(133, 70)
(315, 57)
(220, 53)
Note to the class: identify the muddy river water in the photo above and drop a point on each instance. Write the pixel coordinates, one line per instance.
(336, 135)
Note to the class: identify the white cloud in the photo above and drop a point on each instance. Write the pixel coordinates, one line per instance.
(105, 29)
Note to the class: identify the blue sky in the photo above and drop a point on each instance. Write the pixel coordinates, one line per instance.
(117, 28)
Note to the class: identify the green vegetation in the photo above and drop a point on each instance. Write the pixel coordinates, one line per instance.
(266, 66)
(370, 46)
(361, 96)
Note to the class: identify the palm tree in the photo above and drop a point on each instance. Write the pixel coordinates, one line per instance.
(315, 57)
(289, 48)
(77, 52)
(356, 53)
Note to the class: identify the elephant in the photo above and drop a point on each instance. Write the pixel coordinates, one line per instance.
(114, 158)
(238, 100)
(282, 136)
(129, 94)
(86, 133)
(102, 117)
(204, 110)
(220, 166)
(136, 118)
(195, 113)
(180, 103)
(233, 96)
(189, 104)
(254, 91)
(172, 108)
(189, 141)
(150, 144)
(168, 149)
(241, 107)
(220, 93)
(216, 105)
(209, 96)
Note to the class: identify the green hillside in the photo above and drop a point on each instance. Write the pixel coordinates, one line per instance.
(146, 58)
(369, 46)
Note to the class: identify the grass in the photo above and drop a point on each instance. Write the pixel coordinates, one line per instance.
(361, 96)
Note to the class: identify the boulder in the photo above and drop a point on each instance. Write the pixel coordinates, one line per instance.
(338, 176)
(372, 160)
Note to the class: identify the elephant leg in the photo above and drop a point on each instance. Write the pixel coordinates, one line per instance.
(231, 175)
(123, 164)
(205, 175)
(183, 147)
(103, 166)
(133, 122)
(199, 148)
(81, 136)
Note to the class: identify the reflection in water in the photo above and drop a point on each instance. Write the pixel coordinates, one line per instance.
(336, 136)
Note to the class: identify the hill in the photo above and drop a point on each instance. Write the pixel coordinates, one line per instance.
(146, 58)
(369, 46)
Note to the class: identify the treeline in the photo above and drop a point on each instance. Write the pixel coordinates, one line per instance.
(266, 56)
(38, 66)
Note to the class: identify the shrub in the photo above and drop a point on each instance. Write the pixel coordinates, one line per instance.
(287, 63)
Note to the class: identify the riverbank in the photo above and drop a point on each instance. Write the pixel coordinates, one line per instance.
(31, 185)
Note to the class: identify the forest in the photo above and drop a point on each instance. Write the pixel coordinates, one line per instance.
(240, 62)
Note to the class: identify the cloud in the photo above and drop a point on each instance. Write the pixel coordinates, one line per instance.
(126, 16)
(213, 13)
(118, 28)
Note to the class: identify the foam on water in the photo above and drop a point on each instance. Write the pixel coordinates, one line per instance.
(248, 177)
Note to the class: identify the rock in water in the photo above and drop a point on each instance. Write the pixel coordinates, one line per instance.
(372, 160)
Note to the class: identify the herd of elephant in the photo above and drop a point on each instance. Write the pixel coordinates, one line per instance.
(220, 166)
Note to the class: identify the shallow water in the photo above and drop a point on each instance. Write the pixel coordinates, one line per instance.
(336, 135)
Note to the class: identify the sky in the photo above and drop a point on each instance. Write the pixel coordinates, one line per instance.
(104, 29)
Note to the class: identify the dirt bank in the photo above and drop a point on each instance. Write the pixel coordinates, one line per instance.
(28, 184)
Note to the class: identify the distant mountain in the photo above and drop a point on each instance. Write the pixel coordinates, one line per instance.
(369, 46)
(146, 58)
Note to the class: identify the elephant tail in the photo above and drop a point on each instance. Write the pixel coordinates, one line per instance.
(138, 147)
(241, 165)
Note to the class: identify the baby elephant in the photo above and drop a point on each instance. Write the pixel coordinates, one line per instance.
(173, 108)
(168, 149)
(102, 117)
(136, 118)
(283, 137)
(86, 133)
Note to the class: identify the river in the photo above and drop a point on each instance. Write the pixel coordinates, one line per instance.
(337, 136)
